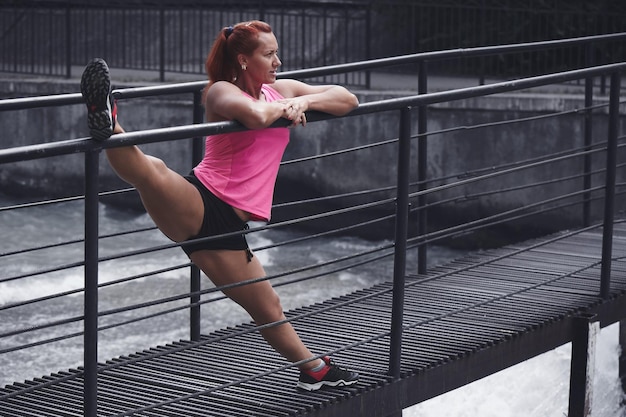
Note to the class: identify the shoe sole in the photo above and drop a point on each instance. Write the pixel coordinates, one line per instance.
(319, 385)
(95, 86)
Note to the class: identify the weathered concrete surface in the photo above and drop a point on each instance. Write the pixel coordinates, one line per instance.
(452, 153)
(464, 151)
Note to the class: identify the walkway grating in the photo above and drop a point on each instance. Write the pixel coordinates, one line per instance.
(463, 321)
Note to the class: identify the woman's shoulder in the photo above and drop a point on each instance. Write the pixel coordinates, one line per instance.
(221, 86)
(217, 92)
(290, 88)
(287, 87)
(272, 92)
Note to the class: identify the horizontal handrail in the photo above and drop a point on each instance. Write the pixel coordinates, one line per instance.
(38, 151)
(454, 53)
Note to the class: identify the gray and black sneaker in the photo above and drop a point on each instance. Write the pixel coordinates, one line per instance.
(331, 375)
(95, 86)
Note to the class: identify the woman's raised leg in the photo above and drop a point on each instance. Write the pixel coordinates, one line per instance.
(174, 204)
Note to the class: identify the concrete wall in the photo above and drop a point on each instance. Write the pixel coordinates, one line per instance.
(462, 152)
(457, 152)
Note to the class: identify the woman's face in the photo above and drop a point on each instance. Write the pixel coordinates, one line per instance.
(262, 65)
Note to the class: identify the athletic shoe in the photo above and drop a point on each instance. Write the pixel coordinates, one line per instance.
(95, 86)
(332, 375)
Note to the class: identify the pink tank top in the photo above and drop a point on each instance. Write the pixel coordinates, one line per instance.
(240, 168)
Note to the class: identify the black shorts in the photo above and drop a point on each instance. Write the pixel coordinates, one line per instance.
(219, 218)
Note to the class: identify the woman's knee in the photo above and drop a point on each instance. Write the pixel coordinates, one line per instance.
(266, 309)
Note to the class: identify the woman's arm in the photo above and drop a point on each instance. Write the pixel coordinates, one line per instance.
(225, 101)
(332, 99)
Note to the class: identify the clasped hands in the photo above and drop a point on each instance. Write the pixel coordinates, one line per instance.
(293, 109)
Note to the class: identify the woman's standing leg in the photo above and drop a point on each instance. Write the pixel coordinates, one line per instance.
(260, 300)
(262, 303)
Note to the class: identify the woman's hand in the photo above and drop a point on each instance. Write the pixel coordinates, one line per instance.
(294, 109)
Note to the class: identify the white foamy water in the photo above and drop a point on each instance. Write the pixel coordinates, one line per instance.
(536, 388)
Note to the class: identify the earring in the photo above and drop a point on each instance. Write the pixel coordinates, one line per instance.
(244, 67)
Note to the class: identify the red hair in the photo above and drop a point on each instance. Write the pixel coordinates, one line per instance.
(242, 38)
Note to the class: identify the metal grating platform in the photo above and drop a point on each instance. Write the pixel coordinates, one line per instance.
(463, 321)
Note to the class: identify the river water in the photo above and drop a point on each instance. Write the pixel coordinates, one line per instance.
(537, 388)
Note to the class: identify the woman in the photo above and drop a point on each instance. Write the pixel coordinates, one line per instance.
(234, 183)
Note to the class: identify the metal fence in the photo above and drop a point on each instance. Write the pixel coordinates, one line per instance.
(418, 26)
(50, 37)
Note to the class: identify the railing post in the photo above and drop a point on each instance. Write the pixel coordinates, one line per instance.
(402, 220)
(368, 44)
(90, 352)
(422, 166)
(622, 355)
(162, 44)
(197, 152)
(582, 365)
(483, 41)
(588, 138)
(261, 10)
(609, 192)
(68, 42)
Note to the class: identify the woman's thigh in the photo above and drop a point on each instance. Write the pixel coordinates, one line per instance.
(174, 204)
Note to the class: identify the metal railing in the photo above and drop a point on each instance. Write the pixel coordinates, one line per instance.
(409, 198)
(427, 25)
(49, 38)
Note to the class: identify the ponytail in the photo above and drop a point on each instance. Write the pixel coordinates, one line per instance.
(242, 38)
